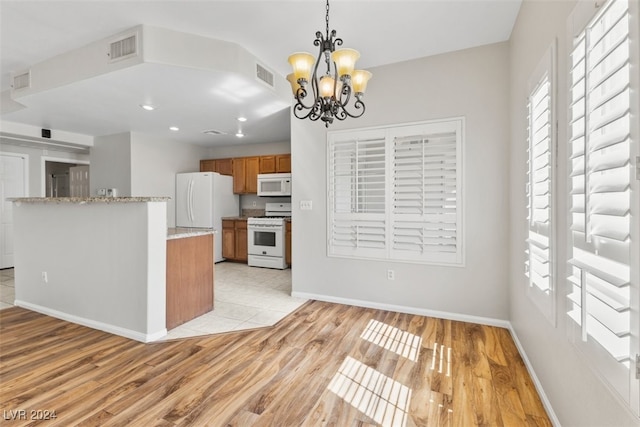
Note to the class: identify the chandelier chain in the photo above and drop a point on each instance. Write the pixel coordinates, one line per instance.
(327, 19)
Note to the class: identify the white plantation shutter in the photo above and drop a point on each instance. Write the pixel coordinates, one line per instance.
(357, 196)
(395, 193)
(599, 301)
(540, 161)
(425, 215)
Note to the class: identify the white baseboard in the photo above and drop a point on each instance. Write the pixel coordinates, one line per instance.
(449, 316)
(406, 309)
(105, 327)
(532, 373)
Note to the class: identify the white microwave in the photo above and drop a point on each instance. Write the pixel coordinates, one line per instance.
(274, 184)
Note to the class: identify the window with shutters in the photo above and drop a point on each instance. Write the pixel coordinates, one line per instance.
(600, 301)
(395, 193)
(539, 267)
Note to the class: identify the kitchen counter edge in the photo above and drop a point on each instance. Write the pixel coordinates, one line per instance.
(84, 200)
(183, 232)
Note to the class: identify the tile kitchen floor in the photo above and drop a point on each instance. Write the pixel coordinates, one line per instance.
(244, 298)
(7, 288)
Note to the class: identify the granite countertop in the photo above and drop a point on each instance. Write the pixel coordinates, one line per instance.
(244, 218)
(182, 232)
(84, 200)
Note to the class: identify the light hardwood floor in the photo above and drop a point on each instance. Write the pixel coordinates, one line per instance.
(325, 364)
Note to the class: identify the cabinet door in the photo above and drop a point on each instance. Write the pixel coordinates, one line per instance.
(207, 166)
(267, 164)
(228, 242)
(287, 243)
(224, 166)
(283, 162)
(239, 175)
(241, 240)
(251, 176)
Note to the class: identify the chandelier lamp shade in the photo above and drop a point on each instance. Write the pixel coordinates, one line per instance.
(336, 94)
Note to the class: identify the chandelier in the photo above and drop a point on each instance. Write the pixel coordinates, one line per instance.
(333, 90)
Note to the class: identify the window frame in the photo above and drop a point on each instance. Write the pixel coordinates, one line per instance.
(546, 68)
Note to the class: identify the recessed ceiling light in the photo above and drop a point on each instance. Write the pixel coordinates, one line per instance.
(147, 107)
(174, 128)
(242, 119)
(239, 134)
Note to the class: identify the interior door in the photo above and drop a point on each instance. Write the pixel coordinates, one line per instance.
(12, 184)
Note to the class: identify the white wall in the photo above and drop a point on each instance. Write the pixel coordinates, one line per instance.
(140, 165)
(155, 163)
(111, 164)
(577, 396)
(36, 158)
(471, 83)
(105, 264)
(247, 150)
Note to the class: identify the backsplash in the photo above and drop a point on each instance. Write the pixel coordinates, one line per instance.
(251, 201)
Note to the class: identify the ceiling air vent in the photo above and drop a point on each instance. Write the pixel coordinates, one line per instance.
(123, 48)
(22, 81)
(264, 75)
(214, 132)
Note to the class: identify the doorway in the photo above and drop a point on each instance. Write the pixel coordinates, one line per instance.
(63, 179)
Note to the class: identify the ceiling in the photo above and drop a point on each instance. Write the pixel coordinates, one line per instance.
(383, 31)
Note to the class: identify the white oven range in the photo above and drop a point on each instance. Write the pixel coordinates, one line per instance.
(265, 237)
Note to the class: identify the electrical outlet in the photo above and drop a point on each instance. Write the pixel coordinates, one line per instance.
(391, 275)
(253, 204)
(45, 277)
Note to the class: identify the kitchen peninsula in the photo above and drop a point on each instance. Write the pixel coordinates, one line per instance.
(102, 262)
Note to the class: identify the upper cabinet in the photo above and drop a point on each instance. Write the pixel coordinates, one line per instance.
(245, 175)
(283, 163)
(245, 170)
(222, 166)
(275, 164)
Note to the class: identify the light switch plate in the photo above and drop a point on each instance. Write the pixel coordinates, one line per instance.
(306, 205)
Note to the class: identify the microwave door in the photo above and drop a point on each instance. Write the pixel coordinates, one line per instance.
(270, 186)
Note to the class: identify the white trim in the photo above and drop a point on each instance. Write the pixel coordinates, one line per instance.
(43, 169)
(116, 330)
(536, 381)
(405, 309)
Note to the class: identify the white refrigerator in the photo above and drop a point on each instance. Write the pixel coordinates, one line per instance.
(202, 200)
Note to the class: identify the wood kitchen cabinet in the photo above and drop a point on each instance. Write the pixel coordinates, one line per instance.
(245, 175)
(234, 239)
(267, 164)
(189, 280)
(283, 163)
(287, 242)
(245, 170)
(277, 163)
(222, 166)
(207, 165)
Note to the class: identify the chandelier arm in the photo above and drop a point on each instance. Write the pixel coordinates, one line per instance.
(313, 113)
(358, 105)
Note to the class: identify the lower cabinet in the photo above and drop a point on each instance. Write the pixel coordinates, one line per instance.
(287, 242)
(189, 282)
(234, 239)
